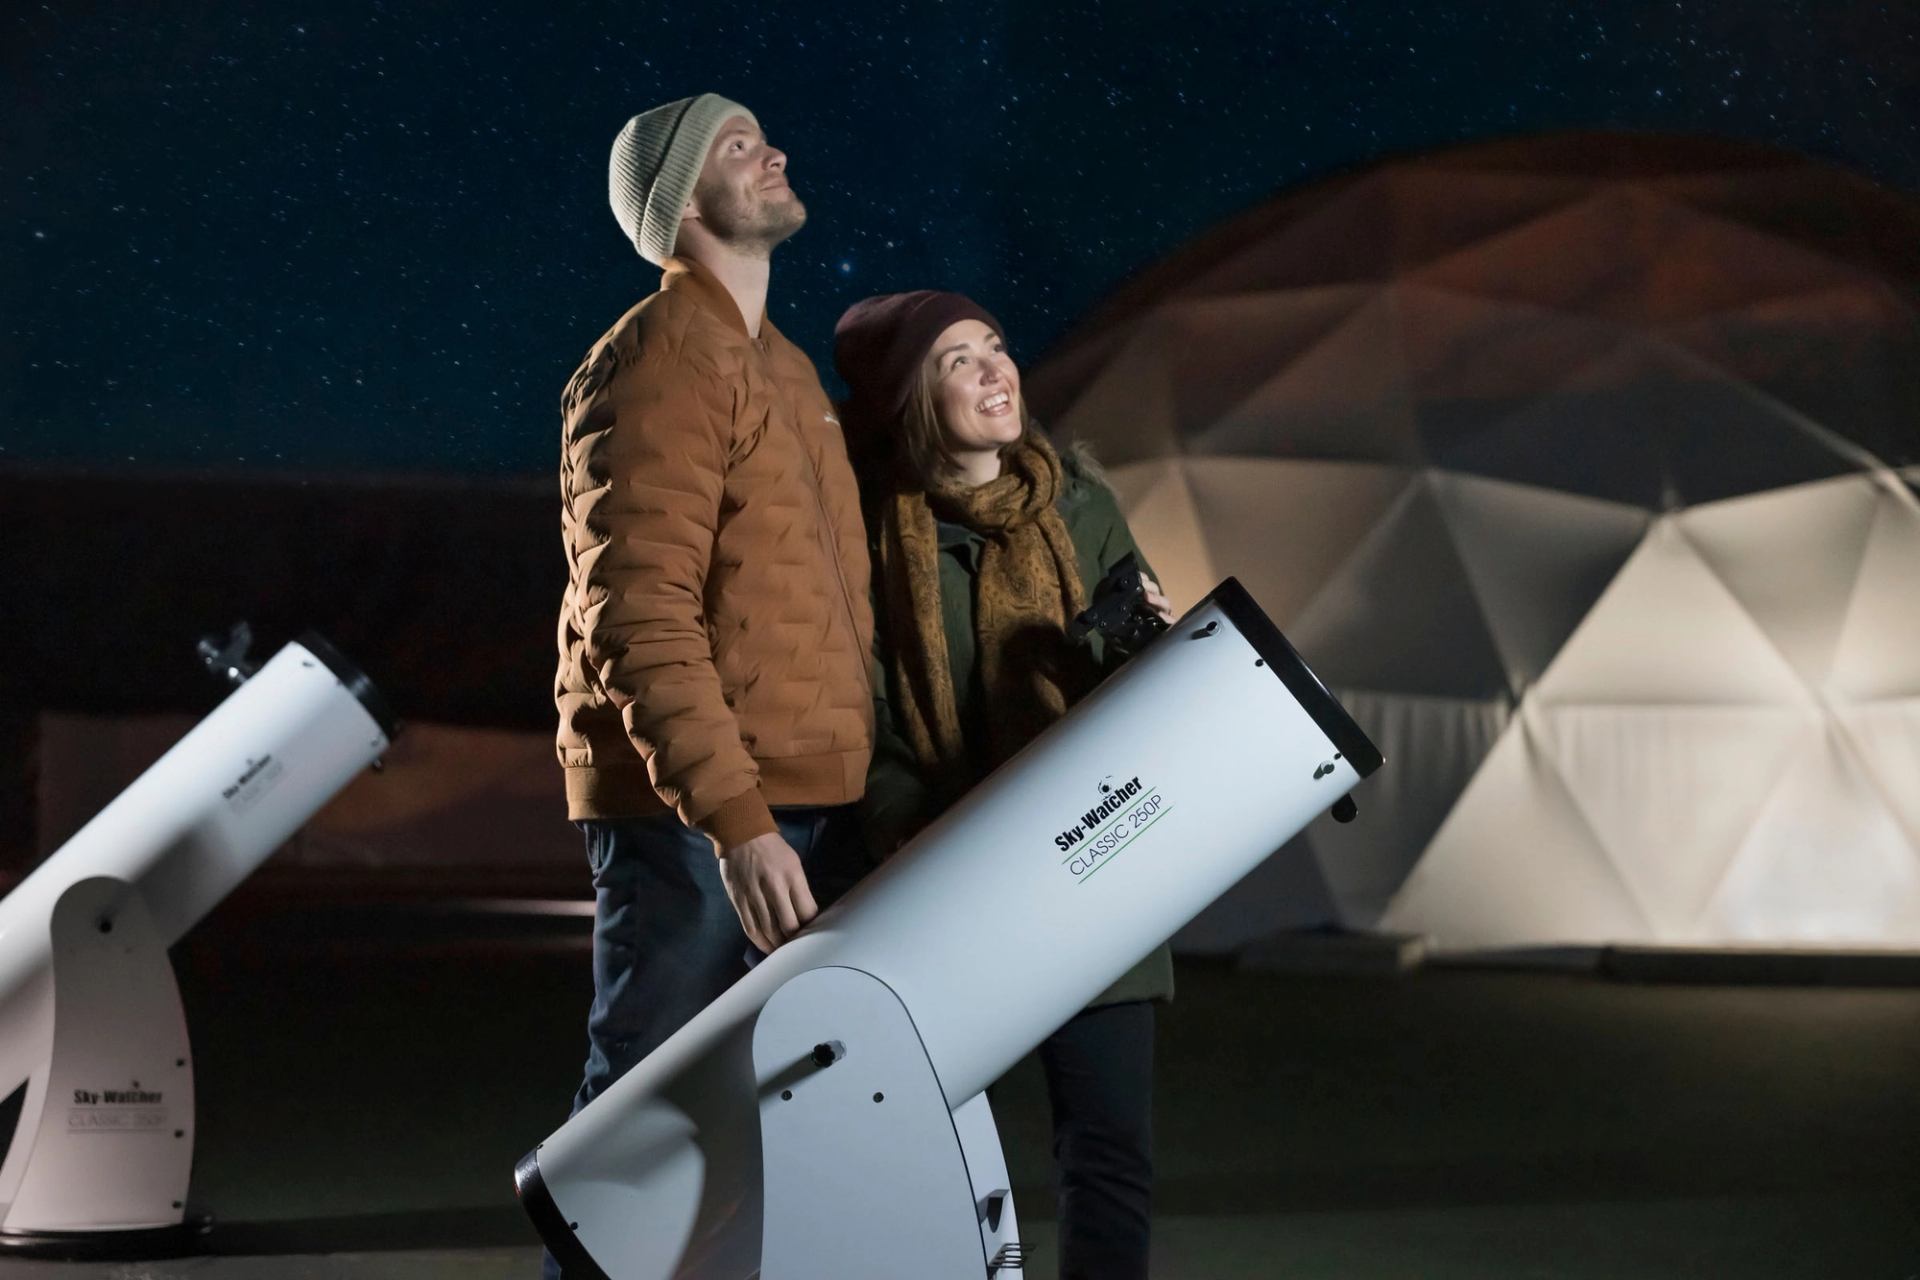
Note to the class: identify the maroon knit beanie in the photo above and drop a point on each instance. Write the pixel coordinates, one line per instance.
(878, 346)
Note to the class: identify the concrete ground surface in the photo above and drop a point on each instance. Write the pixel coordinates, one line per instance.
(367, 1078)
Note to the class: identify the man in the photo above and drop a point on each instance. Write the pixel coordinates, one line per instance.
(713, 689)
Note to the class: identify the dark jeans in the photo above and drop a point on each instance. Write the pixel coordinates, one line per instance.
(1100, 1081)
(666, 940)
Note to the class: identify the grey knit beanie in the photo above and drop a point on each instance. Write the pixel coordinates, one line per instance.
(655, 162)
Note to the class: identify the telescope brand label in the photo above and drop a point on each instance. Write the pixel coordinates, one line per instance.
(117, 1111)
(254, 781)
(1125, 810)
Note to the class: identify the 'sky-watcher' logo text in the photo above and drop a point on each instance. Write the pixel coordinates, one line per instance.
(1125, 810)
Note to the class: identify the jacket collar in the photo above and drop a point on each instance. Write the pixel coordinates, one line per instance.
(684, 275)
(962, 543)
(949, 534)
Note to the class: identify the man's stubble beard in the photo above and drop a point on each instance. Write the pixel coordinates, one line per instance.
(749, 225)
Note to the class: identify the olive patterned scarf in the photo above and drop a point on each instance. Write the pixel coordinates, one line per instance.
(1028, 588)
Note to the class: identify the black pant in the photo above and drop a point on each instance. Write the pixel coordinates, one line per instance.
(1100, 1080)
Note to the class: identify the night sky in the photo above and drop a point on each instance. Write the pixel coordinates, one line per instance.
(375, 238)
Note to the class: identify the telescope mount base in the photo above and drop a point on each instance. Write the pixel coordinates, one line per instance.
(869, 1174)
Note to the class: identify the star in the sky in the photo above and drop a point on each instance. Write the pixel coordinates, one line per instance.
(330, 215)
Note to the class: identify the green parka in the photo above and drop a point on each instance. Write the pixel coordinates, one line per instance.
(900, 800)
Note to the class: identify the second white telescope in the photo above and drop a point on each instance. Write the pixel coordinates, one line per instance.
(1184, 770)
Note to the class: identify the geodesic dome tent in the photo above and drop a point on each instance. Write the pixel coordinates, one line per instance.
(1581, 468)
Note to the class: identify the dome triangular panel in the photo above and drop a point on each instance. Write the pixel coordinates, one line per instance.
(1792, 559)
(1651, 425)
(1670, 792)
(1321, 512)
(1537, 559)
(1879, 651)
(1436, 745)
(1314, 407)
(1515, 864)
(1884, 740)
(1220, 351)
(1400, 615)
(1825, 864)
(1668, 633)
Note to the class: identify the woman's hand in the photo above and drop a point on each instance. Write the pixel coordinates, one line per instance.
(1157, 601)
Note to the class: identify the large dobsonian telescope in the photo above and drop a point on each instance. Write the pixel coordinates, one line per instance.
(826, 1115)
(90, 1017)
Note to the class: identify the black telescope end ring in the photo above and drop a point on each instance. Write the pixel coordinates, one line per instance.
(1285, 662)
(555, 1231)
(355, 680)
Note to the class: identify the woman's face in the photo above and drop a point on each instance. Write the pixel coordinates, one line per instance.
(976, 389)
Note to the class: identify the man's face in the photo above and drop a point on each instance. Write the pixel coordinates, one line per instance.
(742, 197)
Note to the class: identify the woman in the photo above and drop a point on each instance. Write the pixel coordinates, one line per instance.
(987, 543)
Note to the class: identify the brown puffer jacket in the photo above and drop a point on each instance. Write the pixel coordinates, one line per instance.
(715, 634)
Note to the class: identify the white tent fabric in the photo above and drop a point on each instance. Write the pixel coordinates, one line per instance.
(1581, 468)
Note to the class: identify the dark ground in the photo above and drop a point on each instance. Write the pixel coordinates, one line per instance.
(368, 1078)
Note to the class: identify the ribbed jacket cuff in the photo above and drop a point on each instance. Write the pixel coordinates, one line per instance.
(739, 820)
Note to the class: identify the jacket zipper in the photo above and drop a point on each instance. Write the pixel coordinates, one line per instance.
(828, 540)
(839, 569)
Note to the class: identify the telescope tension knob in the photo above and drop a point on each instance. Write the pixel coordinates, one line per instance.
(825, 1055)
(229, 658)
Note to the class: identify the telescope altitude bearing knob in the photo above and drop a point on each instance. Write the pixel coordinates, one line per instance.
(825, 1055)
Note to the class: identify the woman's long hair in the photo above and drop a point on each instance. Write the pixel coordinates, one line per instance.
(920, 455)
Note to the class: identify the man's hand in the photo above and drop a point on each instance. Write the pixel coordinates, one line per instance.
(768, 887)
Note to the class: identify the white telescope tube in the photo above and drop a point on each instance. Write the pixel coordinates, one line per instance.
(1186, 768)
(193, 826)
